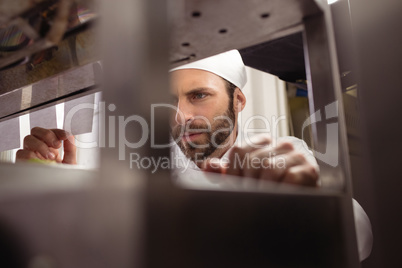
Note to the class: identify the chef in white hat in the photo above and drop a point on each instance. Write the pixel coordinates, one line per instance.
(208, 101)
(209, 98)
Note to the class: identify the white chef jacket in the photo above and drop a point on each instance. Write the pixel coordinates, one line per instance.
(188, 174)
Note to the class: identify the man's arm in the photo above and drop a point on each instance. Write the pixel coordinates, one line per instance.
(284, 162)
(44, 144)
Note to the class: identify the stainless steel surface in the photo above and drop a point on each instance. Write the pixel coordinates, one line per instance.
(22, 179)
(135, 56)
(325, 93)
(273, 228)
(204, 28)
(329, 133)
(58, 215)
(378, 56)
(136, 76)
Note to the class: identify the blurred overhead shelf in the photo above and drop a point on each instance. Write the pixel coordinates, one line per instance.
(268, 33)
(41, 38)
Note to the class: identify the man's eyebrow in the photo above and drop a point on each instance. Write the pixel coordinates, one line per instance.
(198, 90)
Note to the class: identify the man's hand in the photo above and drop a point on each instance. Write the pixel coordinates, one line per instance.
(44, 144)
(281, 163)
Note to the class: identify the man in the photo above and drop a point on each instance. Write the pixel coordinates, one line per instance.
(205, 129)
(209, 99)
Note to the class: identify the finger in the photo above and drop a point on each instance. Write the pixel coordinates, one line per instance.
(281, 148)
(25, 155)
(48, 136)
(70, 151)
(275, 168)
(33, 144)
(257, 142)
(263, 161)
(39, 156)
(238, 160)
(305, 175)
(57, 154)
(61, 134)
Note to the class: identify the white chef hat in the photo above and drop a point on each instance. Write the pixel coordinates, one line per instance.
(228, 65)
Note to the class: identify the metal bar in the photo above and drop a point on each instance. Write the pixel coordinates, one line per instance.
(329, 131)
(134, 42)
(326, 102)
(134, 45)
(70, 96)
(68, 85)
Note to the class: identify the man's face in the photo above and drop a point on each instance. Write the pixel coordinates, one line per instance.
(203, 123)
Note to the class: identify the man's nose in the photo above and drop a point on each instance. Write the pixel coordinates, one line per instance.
(183, 113)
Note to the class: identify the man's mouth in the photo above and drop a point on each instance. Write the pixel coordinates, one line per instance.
(190, 136)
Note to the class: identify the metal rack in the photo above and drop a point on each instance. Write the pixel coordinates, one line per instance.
(135, 64)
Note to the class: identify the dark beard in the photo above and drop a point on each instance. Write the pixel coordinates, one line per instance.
(220, 131)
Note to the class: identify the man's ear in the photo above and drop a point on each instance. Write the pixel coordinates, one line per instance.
(239, 100)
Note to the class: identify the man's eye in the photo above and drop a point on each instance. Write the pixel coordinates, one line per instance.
(199, 96)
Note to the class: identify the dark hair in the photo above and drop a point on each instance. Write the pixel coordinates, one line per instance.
(230, 88)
